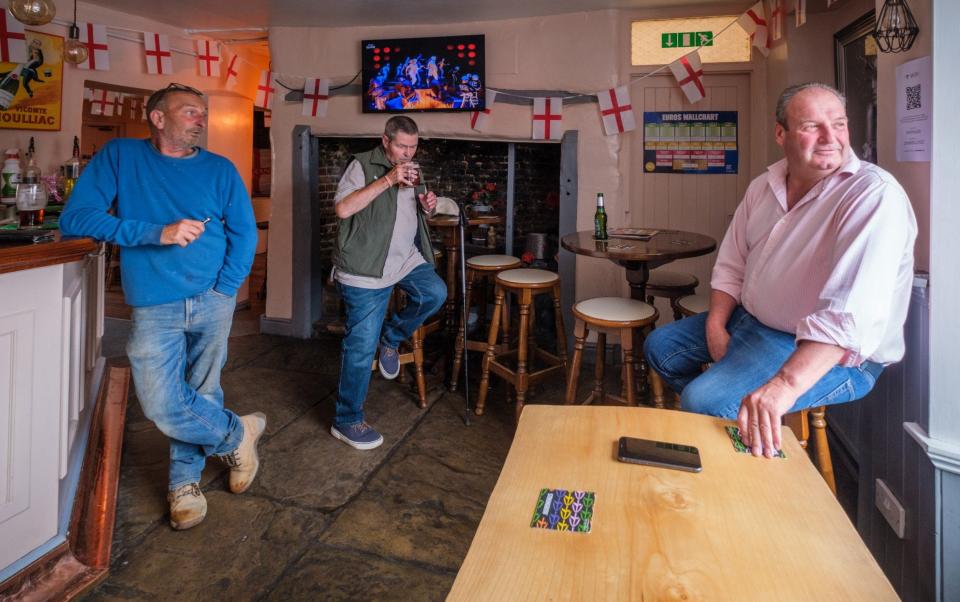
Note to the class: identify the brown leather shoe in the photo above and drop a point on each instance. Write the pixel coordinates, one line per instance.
(188, 507)
(244, 461)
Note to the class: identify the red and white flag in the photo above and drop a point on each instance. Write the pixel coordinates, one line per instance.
(265, 90)
(157, 52)
(94, 37)
(232, 72)
(13, 41)
(316, 92)
(481, 120)
(689, 74)
(208, 58)
(800, 10)
(87, 94)
(547, 118)
(754, 22)
(118, 104)
(777, 12)
(103, 103)
(616, 112)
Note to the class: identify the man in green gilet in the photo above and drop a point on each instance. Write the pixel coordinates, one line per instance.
(382, 241)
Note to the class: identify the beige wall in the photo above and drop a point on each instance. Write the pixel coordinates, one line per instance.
(127, 68)
(581, 52)
(914, 177)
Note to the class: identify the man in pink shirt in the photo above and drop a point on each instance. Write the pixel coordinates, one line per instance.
(811, 284)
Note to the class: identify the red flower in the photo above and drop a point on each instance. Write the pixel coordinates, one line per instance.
(491, 186)
(476, 195)
(527, 257)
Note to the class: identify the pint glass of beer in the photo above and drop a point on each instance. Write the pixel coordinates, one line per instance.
(31, 201)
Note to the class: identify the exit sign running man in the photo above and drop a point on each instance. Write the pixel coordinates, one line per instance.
(686, 39)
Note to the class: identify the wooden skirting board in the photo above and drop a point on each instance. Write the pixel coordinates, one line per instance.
(84, 559)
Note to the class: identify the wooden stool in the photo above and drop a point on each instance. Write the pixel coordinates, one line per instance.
(604, 314)
(672, 286)
(526, 284)
(691, 305)
(414, 353)
(486, 268)
(799, 422)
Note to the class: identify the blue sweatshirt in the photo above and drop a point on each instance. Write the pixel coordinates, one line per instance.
(149, 191)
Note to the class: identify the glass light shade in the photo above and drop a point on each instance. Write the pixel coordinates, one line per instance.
(33, 12)
(74, 51)
(896, 28)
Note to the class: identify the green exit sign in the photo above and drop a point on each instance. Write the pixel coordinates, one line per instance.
(686, 39)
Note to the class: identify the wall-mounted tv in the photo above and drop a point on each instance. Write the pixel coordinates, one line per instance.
(423, 74)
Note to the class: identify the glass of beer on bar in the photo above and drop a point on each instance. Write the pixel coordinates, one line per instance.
(31, 201)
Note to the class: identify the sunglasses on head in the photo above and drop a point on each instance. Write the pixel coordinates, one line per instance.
(157, 96)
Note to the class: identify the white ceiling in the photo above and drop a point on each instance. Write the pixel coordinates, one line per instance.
(200, 14)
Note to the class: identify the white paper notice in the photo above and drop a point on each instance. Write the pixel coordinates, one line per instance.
(914, 109)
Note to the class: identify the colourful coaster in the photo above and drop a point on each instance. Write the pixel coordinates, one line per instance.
(738, 445)
(563, 510)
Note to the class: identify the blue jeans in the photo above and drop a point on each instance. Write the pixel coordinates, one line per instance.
(755, 353)
(366, 309)
(176, 351)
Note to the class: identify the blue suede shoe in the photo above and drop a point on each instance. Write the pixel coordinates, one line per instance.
(357, 436)
(389, 362)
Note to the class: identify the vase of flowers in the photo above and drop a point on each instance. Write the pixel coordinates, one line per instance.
(482, 201)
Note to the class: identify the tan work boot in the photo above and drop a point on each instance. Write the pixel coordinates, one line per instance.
(188, 507)
(244, 461)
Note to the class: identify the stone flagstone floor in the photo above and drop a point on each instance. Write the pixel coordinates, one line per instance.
(322, 521)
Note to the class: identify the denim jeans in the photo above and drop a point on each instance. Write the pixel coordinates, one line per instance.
(366, 309)
(176, 351)
(755, 353)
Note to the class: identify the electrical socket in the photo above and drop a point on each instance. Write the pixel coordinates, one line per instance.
(891, 508)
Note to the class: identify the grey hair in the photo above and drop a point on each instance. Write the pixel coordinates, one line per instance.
(787, 95)
(400, 123)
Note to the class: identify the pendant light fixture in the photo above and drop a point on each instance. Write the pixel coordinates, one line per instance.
(74, 51)
(896, 28)
(33, 12)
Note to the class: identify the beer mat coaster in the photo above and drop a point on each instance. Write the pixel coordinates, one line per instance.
(734, 433)
(47, 225)
(563, 510)
(635, 233)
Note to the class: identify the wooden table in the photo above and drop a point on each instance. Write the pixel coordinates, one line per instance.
(743, 529)
(640, 256)
(449, 226)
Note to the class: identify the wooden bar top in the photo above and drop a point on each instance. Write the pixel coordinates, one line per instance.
(15, 257)
(745, 528)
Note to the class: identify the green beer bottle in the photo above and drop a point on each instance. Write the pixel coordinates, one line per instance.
(600, 220)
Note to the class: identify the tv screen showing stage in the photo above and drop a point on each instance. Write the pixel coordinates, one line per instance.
(423, 74)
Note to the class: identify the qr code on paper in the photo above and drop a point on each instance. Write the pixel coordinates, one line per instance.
(913, 97)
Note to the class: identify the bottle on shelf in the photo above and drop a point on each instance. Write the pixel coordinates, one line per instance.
(31, 173)
(10, 177)
(600, 220)
(70, 171)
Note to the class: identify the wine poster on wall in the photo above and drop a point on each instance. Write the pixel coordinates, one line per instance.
(31, 93)
(690, 143)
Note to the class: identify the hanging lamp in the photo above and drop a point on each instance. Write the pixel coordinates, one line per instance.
(33, 12)
(74, 51)
(896, 28)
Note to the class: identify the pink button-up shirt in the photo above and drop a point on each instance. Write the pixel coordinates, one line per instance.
(837, 268)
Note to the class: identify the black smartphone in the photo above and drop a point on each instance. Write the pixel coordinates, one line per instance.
(659, 453)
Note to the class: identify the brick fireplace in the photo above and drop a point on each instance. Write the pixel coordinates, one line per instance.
(536, 187)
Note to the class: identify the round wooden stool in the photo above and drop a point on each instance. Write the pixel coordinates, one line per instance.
(671, 285)
(482, 268)
(799, 422)
(692, 305)
(603, 315)
(526, 283)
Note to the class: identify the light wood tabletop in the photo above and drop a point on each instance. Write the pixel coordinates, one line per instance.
(744, 528)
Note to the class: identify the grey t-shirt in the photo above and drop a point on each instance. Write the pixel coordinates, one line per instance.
(403, 256)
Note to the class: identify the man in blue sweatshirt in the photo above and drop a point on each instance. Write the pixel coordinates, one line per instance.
(185, 224)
